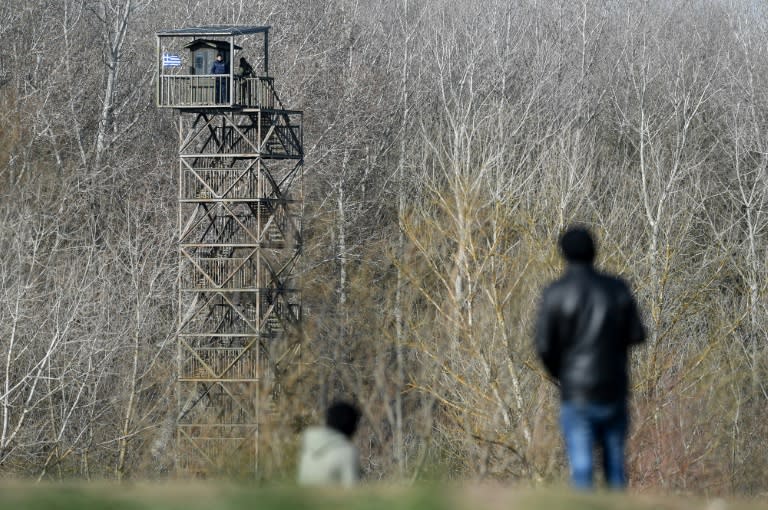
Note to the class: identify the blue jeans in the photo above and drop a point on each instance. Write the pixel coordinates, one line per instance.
(589, 424)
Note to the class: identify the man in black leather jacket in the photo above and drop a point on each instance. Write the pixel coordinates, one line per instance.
(587, 322)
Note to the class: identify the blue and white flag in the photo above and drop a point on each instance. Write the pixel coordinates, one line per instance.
(171, 60)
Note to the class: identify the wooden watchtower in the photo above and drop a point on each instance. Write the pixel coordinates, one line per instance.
(239, 233)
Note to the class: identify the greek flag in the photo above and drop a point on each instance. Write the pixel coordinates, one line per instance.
(171, 60)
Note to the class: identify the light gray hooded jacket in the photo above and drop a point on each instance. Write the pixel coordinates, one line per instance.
(328, 457)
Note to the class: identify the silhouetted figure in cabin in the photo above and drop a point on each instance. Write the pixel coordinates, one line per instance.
(587, 322)
(221, 86)
(328, 456)
(245, 71)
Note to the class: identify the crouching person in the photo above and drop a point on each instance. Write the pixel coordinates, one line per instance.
(328, 456)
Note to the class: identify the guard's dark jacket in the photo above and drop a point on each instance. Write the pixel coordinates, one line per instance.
(586, 323)
(219, 67)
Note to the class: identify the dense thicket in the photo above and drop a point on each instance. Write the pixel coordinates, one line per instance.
(448, 142)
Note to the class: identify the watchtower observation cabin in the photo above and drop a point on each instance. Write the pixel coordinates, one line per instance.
(185, 58)
(239, 237)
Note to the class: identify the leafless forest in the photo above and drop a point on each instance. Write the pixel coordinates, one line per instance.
(447, 144)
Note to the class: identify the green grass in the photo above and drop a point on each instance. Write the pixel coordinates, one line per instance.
(218, 496)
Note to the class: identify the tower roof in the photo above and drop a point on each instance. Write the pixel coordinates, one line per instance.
(214, 30)
(207, 43)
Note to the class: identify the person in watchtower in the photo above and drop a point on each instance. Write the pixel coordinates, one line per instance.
(245, 71)
(220, 66)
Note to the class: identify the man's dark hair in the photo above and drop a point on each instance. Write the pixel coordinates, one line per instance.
(577, 245)
(343, 417)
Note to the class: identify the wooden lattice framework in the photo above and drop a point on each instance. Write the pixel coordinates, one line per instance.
(240, 204)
